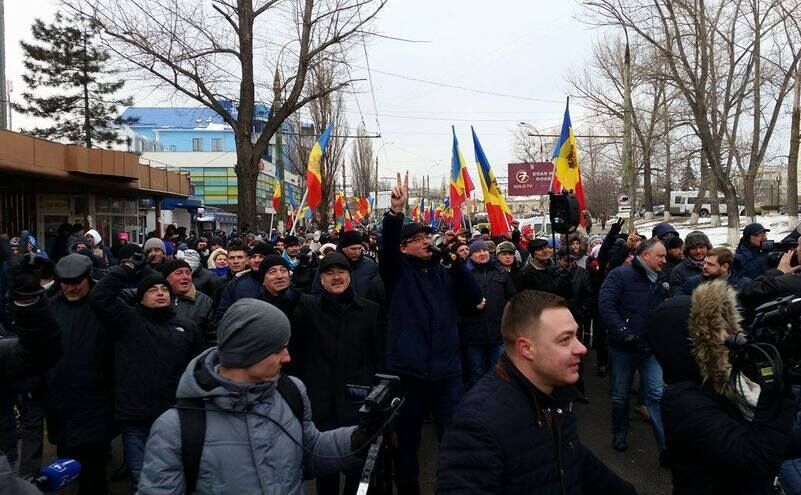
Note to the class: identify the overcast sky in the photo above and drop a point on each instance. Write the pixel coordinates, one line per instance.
(520, 48)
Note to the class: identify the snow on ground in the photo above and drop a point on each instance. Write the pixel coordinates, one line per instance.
(779, 226)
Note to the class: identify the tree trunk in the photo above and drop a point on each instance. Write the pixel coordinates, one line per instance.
(647, 187)
(87, 121)
(714, 219)
(702, 190)
(792, 161)
(749, 196)
(753, 162)
(247, 173)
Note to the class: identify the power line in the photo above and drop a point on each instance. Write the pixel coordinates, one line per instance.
(463, 88)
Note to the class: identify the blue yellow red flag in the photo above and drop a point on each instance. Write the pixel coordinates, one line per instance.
(500, 216)
(566, 170)
(458, 190)
(314, 179)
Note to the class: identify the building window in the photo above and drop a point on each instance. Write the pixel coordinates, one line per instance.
(197, 144)
(216, 144)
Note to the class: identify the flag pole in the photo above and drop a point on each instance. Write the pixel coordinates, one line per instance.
(295, 220)
(272, 220)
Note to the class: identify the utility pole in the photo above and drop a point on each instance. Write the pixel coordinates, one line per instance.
(375, 198)
(629, 176)
(4, 103)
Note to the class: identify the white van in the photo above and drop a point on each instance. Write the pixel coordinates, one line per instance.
(683, 202)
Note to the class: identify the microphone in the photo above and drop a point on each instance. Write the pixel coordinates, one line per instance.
(57, 475)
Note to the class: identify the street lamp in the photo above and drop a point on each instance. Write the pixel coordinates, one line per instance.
(531, 127)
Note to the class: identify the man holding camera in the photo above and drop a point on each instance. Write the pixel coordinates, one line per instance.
(515, 432)
(424, 289)
(749, 253)
(240, 425)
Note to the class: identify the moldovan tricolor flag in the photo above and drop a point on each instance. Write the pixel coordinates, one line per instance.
(459, 187)
(314, 180)
(566, 171)
(500, 216)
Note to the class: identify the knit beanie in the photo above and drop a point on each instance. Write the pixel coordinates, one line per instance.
(350, 238)
(694, 239)
(154, 243)
(149, 281)
(262, 248)
(249, 331)
(170, 266)
(477, 245)
(270, 261)
(192, 257)
(127, 251)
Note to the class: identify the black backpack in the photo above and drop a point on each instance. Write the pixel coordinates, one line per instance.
(192, 415)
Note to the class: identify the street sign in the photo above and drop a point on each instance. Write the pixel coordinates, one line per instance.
(530, 179)
(623, 199)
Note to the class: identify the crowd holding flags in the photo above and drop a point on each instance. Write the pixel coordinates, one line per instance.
(566, 177)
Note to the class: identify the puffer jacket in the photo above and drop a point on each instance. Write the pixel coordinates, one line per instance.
(483, 326)
(250, 443)
(151, 350)
(534, 449)
(627, 298)
(711, 446)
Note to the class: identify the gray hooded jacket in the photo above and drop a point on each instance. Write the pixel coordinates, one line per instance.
(245, 450)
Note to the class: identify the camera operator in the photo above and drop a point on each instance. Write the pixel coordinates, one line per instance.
(752, 261)
(775, 282)
(35, 348)
(723, 435)
(252, 424)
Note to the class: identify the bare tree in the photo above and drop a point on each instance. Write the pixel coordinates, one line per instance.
(713, 52)
(216, 51)
(527, 147)
(362, 165)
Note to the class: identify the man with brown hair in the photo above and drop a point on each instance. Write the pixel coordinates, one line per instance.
(718, 264)
(515, 432)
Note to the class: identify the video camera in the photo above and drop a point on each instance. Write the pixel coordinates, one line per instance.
(770, 351)
(380, 404)
(775, 250)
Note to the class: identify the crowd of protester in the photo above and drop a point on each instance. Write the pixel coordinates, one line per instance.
(211, 322)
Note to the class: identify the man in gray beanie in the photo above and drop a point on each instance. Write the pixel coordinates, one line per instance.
(155, 252)
(257, 439)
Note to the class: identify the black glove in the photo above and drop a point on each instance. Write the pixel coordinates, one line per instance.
(24, 279)
(633, 343)
(369, 426)
(614, 230)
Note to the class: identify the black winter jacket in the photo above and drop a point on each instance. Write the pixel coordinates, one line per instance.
(79, 398)
(334, 344)
(582, 295)
(286, 300)
(483, 326)
(713, 449)
(681, 273)
(423, 301)
(552, 279)
(362, 272)
(207, 281)
(151, 350)
(508, 438)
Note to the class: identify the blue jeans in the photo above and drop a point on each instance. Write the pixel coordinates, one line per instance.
(134, 439)
(624, 363)
(790, 472)
(421, 396)
(481, 359)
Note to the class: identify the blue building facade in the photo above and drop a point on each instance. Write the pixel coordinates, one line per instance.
(201, 130)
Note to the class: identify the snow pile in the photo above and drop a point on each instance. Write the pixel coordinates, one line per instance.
(779, 226)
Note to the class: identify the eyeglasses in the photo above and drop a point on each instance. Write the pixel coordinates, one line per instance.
(417, 239)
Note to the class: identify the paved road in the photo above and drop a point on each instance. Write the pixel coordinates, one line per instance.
(639, 465)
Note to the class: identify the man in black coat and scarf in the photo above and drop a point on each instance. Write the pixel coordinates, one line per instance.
(335, 342)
